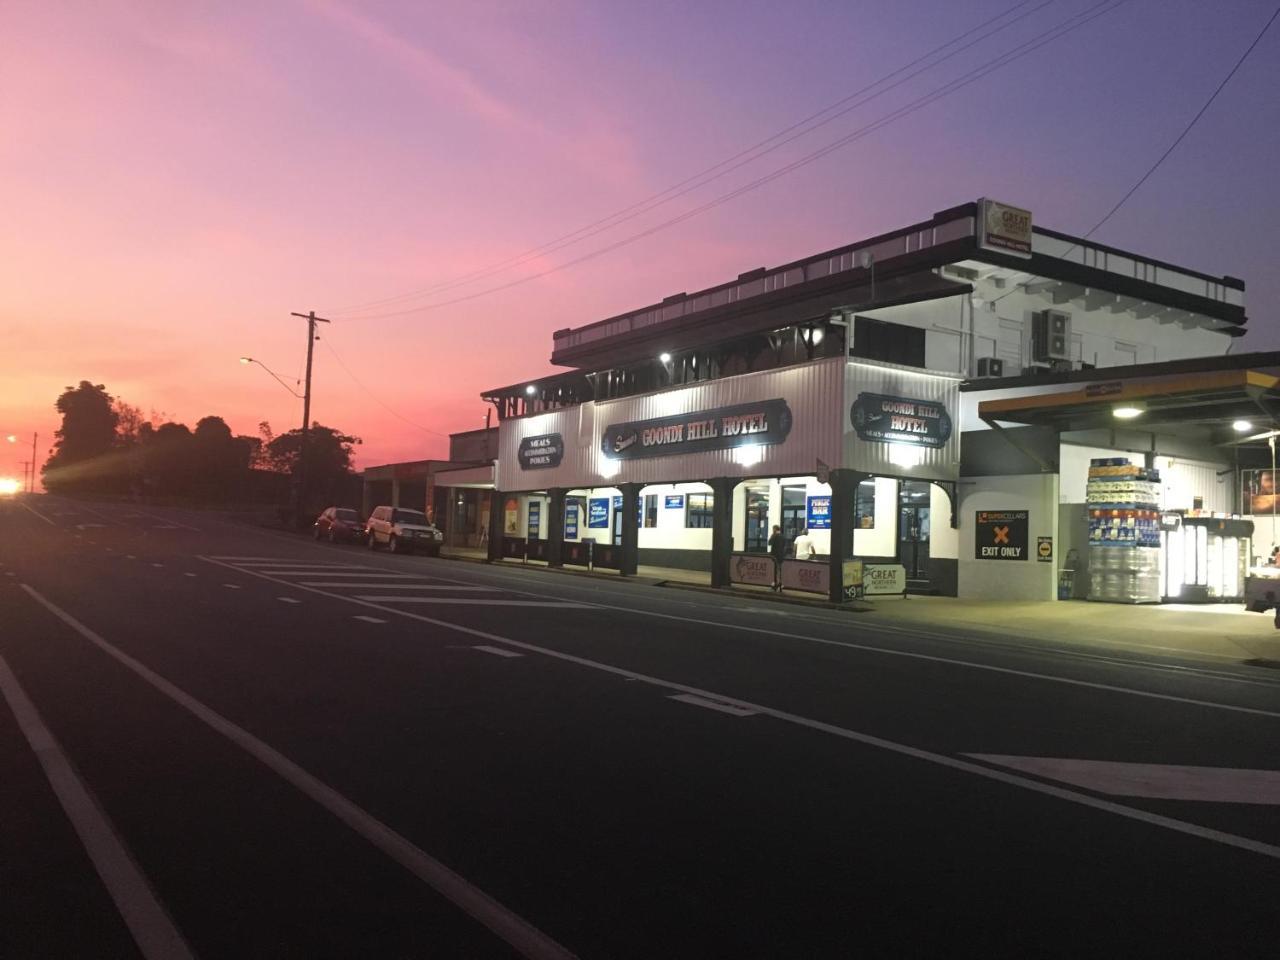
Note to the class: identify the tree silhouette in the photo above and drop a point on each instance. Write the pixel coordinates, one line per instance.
(83, 444)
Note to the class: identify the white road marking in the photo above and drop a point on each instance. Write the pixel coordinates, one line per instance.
(1157, 781)
(368, 619)
(170, 526)
(928, 756)
(512, 928)
(713, 705)
(497, 651)
(188, 574)
(157, 564)
(406, 586)
(10, 573)
(170, 520)
(130, 556)
(32, 510)
(564, 604)
(151, 926)
(232, 586)
(302, 565)
(90, 526)
(288, 599)
(343, 573)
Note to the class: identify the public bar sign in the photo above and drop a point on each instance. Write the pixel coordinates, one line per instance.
(761, 422)
(818, 513)
(924, 423)
(1000, 535)
(1004, 228)
(541, 452)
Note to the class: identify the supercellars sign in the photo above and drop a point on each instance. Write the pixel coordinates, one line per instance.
(761, 422)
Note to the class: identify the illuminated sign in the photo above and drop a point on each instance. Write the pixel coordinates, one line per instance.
(1001, 535)
(541, 452)
(923, 423)
(759, 423)
(1004, 228)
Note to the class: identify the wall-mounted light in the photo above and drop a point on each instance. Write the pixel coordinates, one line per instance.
(1126, 413)
(664, 357)
(1242, 426)
(905, 455)
(531, 389)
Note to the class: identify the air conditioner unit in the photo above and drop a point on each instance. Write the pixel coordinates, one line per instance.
(990, 367)
(1051, 335)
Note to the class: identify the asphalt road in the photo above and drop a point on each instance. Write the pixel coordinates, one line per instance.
(220, 741)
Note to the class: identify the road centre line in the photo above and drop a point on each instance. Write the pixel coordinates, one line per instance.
(176, 523)
(866, 739)
(712, 705)
(288, 600)
(408, 586)
(368, 619)
(151, 926)
(30, 509)
(933, 658)
(232, 586)
(314, 573)
(510, 927)
(485, 602)
(496, 651)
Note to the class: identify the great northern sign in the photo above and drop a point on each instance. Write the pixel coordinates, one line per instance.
(541, 452)
(761, 422)
(876, 416)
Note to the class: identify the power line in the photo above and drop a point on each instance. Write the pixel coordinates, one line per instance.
(1067, 26)
(375, 398)
(1164, 156)
(723, 167)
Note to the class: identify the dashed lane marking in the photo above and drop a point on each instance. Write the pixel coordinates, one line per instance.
(130, 556)
(405, 586)
(350, 576)
(146, 918)
(521, 935)
(486, 602)
(1155, 781)
(232, 586)
(288, 600)
(188, 574)
(32, 510)
(368, 619)
(497, 651)
(959, 764)
(728, 708)
(157, 564)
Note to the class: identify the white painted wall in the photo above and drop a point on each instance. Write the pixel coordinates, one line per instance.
(1183, 480)
(1009, 579)
(944, 542)
(882, 539)
(671, 533)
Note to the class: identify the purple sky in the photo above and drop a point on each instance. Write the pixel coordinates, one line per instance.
(180, 176)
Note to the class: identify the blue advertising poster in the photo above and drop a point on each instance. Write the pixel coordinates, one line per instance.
(535, 518)
(598, 513)
(675, 501)
(818, 513)
(617, 503)
(571, 518)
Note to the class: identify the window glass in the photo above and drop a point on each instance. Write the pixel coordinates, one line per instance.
(348, 515)
(410, 516)
(697, 510)
(864, 505)
(651, 510)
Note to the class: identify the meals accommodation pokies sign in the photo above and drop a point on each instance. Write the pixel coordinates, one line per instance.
(924, 423)
(762, 422)
(541, 452)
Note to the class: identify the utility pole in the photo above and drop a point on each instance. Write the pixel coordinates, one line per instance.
(34, 438)
(25, 477)
(299, 491)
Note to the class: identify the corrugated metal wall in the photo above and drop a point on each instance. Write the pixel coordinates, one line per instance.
(813, 392)
(897, 459)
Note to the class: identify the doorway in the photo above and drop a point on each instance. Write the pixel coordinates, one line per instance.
(793, 519)
(757, 533)
(913, 528)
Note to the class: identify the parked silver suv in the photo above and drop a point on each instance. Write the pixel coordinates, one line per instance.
(403, 531)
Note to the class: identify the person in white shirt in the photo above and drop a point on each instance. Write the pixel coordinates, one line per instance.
(804, 546)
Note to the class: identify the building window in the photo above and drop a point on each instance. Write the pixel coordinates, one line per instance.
(650, 510)
(864, 505)
(697, 510)
(888, 342)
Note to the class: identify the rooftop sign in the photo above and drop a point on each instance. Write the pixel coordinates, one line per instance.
(924, 423)
(758, 423)
(1004, 228)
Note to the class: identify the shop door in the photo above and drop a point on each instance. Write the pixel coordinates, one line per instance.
(617, 528)
(793, 519)
(913, 529)
(757, 532)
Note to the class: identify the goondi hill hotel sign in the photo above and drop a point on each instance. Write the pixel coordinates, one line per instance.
(761, 422)
(924, 423)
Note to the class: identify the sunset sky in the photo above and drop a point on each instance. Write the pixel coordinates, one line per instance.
(178, 176)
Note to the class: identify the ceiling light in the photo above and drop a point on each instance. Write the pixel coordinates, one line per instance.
(246, 359)
(817, 335)
(1126, 413)
(664, 357)
(531, 389)
(1242, 426)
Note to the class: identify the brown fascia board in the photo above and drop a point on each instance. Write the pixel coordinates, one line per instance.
(779, 308)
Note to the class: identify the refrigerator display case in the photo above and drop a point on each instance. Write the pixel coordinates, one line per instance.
(1206, 559)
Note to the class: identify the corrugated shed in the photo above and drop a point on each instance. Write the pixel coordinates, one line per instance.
(900, 459)
(812, 392)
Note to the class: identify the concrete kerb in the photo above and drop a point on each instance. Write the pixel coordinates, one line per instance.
(849, 606)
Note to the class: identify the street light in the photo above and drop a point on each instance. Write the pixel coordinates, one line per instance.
(248, 360)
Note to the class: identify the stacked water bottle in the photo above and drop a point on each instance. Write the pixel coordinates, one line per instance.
(1124, 531)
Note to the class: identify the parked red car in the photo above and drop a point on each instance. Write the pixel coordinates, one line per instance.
(339, 524)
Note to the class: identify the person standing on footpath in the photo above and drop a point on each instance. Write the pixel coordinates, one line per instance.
(804, 546)
(777, 550)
